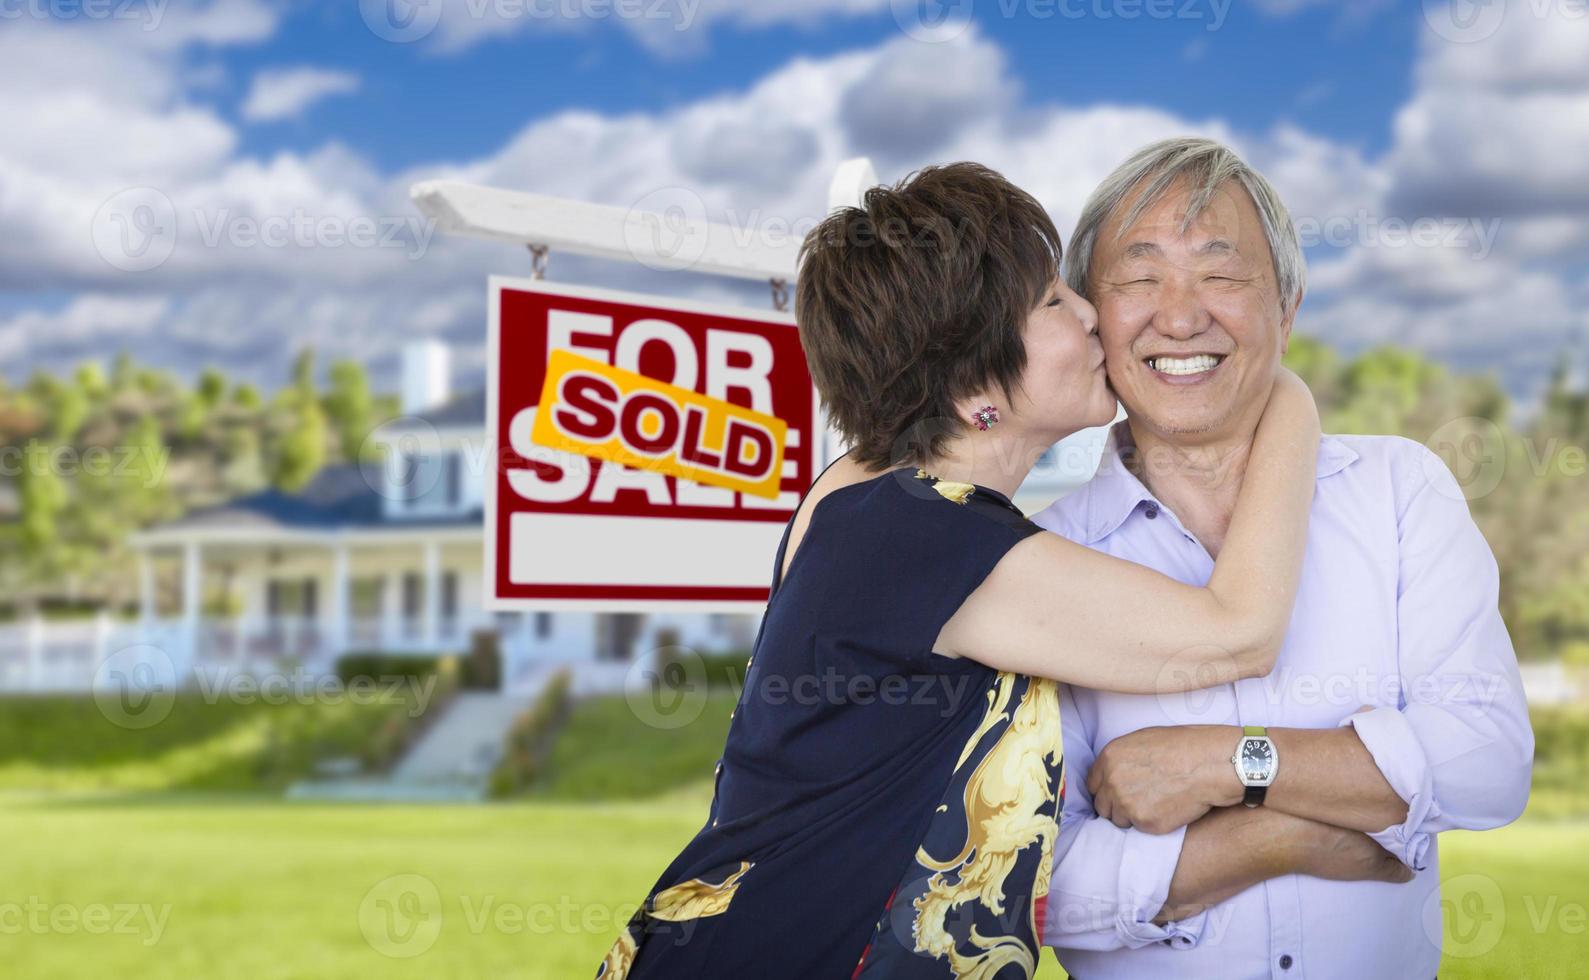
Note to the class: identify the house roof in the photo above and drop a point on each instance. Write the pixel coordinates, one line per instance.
(466, 411)
(343, 495)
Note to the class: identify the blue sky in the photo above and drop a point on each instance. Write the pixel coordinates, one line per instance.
(1343, 76)
(206, 117)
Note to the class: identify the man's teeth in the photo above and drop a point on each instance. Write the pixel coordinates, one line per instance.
(1183, 365)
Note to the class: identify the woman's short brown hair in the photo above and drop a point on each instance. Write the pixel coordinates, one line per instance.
(918, 298)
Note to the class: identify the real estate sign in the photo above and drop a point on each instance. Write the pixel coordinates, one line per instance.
(650, 449)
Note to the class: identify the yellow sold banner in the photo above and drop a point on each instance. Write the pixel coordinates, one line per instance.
(623, 417)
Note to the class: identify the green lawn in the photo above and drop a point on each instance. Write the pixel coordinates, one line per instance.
(191, 742)
(201, 887)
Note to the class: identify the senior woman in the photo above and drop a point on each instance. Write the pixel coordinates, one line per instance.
(887, 800)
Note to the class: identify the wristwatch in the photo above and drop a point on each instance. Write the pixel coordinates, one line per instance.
(1256, 763)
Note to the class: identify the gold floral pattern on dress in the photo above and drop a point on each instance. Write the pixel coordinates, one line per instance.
(1011, 802)
(954, 492)
(697, 898)
(620, 958)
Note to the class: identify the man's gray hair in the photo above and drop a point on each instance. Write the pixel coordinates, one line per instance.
(1204, 166)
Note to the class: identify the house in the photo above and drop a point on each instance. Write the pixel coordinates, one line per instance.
(383, 557)
(380, 557)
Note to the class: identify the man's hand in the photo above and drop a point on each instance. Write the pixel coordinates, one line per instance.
(1324, 851)
(1158, 779)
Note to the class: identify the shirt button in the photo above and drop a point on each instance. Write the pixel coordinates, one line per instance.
(1153, 511)
(1285, 961)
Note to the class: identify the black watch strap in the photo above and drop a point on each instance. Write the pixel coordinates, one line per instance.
(1254, 795)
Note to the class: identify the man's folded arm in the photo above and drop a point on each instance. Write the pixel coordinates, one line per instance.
(1458, 748)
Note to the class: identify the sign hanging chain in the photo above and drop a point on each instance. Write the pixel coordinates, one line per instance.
(780, 294)
(538, 255)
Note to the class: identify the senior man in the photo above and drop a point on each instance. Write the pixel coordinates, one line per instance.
(1282, 826)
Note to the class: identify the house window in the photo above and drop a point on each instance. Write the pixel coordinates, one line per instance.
(454, 479)
(292, 597)
(543, 625)
(364, 596)
(413, 590)
(449, 595)
(410, 478)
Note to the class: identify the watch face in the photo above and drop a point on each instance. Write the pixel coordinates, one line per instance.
(1257, 758)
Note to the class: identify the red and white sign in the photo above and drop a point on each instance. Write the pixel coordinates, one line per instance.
(685, 385)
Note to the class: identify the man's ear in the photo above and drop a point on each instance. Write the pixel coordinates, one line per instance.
(1288, 321)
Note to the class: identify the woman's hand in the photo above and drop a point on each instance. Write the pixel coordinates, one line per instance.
(1291, 407)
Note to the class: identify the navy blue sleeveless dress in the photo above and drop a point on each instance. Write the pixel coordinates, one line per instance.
(880, 810)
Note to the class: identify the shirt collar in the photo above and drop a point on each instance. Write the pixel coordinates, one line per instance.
(1115, 492)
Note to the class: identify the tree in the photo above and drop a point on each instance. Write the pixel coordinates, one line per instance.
(350, 408)
(301, 451)
(43, 498)
(212, 388)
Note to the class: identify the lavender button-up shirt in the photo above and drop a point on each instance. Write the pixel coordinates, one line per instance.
(1396, 611)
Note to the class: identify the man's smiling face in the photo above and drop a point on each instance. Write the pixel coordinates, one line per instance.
(1192, 322)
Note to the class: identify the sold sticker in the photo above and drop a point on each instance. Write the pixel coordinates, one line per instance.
(623, 417)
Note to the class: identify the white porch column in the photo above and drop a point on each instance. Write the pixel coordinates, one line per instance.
(341, 599)
(394, 627)
(432, 593)
(145, 589)
(33, 638)
(192, 571)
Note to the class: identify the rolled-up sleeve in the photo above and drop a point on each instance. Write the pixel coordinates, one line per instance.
(1108, 883)
(1458, 747)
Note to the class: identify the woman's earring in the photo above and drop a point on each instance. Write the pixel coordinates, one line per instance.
(985, 417)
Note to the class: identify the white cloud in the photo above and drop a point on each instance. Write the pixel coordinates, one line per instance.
(285, 93)
(1493, 136)
(759, 158)
(663, 26)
